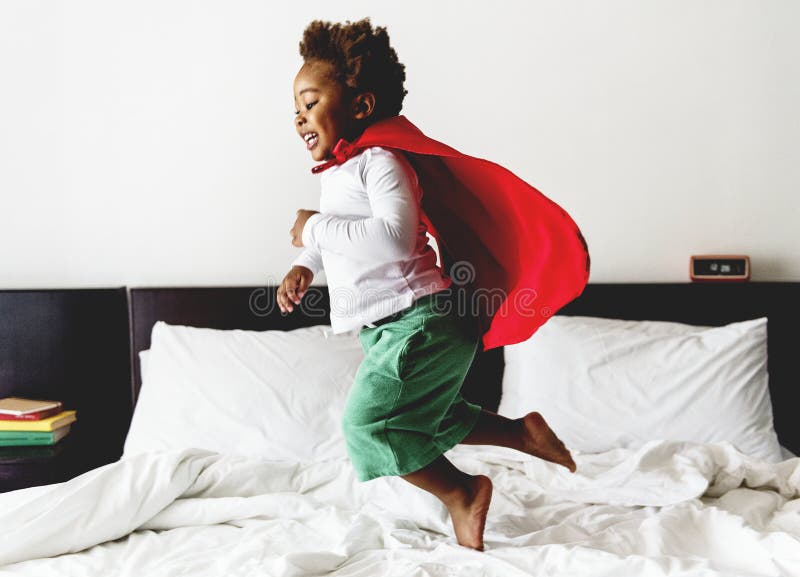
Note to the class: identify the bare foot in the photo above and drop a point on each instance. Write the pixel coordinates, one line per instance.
(540, 441)
(469, 512)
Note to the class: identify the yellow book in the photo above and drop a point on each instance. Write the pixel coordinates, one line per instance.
(48, 424)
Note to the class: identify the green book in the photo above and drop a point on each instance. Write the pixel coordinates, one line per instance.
(27, 438)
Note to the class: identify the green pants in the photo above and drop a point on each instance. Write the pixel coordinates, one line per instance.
(405, 407)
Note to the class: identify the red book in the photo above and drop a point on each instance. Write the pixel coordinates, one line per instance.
(38, 415)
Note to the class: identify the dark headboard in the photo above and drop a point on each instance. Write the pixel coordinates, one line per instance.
(712, 304)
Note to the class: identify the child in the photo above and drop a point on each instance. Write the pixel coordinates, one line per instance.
(404, 409)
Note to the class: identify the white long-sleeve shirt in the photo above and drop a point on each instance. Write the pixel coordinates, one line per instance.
(370, 239)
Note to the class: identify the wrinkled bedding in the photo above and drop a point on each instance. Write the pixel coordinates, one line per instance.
(668, 508)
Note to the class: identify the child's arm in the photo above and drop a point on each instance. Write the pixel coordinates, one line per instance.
(390, 234)
(309, 258)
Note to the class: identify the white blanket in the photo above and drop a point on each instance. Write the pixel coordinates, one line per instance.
(666, 509)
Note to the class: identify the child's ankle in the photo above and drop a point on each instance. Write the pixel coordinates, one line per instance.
(459, 495)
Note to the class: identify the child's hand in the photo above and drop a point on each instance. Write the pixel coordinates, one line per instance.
(297, 229)
(293, 287)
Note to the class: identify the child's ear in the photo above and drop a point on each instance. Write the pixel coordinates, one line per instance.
(363, 105)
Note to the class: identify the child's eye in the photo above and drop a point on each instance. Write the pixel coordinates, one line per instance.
(308, 107)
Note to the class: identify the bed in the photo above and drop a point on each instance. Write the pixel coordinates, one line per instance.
(228, 506)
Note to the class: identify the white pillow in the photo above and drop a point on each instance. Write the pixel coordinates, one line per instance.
(272, 394)
(143, 356)
(606, 383)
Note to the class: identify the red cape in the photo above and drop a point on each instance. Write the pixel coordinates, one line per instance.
(523, 254)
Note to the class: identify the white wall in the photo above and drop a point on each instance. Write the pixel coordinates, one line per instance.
(150, 143)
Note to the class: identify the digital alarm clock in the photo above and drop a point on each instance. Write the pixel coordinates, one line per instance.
(719, 267)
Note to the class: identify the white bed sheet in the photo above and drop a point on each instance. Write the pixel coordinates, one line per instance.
(668, 508)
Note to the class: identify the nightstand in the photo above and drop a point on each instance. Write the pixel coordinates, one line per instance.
(22, 467)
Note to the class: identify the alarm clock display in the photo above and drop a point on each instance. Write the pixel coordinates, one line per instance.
(724, 267)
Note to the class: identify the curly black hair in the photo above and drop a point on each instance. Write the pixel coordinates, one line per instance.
(362, 59)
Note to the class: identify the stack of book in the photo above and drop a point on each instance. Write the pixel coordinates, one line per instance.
(27, 422)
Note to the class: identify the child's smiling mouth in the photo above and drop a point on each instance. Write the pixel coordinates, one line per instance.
(311, 139)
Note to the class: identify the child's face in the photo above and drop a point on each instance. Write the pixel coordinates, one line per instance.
(322, 113)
